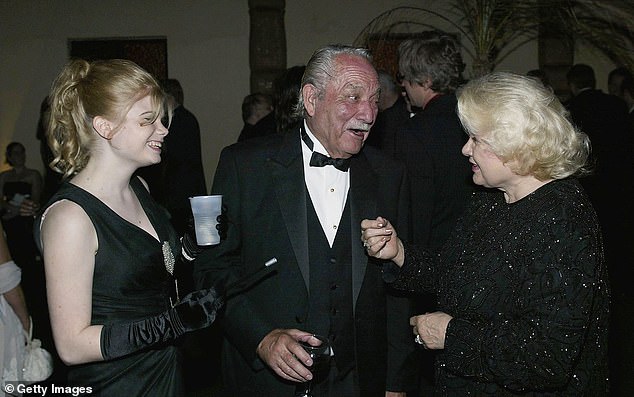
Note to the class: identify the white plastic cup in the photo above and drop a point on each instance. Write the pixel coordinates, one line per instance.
(206, 210)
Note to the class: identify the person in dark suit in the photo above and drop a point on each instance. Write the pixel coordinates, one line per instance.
(389, 126)
(258, 116)
(430, 145)
(390, 90)
(394, 112)
(600, 115)
(182, 163)
(286, 95)
(180, 174)
(281, 204)
(604, 118)
(628, 97)
(616, 77)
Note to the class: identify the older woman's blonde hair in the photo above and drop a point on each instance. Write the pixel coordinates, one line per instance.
(525, 125)
(84, 90)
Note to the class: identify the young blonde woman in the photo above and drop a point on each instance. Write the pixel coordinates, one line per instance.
(109, 249)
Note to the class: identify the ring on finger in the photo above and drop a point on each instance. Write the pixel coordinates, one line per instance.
(419, 340)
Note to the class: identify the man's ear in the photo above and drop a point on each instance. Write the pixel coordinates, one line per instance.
(310, 95)
(103, 127)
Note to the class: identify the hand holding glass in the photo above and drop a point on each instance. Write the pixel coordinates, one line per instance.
(206, 210)
(320, 355)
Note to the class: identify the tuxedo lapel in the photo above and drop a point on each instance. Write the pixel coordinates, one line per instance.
(363, 204)
(288, 172)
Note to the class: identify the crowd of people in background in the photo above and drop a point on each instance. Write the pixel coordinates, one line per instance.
(494, 214)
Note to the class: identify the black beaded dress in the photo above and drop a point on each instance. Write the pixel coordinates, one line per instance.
(527, 289)
(130, 282)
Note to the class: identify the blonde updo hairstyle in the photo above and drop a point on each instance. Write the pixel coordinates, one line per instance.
(84, 90)
(525, 125)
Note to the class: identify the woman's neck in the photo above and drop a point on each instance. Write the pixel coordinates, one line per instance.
(526, 186)
(100, 184)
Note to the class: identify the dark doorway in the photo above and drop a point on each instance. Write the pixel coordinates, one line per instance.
(150, 53)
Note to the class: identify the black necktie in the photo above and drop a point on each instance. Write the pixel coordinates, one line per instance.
(319, 160)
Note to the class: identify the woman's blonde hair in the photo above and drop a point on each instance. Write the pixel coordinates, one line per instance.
(84, 90)
(525, 125)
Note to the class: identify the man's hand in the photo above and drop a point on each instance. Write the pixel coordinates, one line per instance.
(281, 352)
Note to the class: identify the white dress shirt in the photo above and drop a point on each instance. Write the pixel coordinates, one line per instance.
(328, 188)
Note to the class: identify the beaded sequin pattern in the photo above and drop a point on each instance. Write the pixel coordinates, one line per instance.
(169, 261)
(526, 286)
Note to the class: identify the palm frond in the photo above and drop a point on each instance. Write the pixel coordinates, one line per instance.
(491, 30)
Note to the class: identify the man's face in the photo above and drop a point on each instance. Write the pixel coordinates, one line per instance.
(341, 116)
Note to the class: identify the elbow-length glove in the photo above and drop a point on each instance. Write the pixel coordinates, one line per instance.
(195, 311)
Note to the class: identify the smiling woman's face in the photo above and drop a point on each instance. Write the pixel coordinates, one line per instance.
(488, 169)
(140, 136)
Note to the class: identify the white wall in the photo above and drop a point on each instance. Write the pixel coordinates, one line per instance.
(207, 51)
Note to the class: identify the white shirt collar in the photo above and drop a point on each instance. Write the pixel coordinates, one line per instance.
(317, 146)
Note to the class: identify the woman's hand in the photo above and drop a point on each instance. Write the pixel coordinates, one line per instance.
(28, 207)
(380, 240)
(430, 329)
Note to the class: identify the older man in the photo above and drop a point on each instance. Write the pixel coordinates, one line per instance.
(298, 197)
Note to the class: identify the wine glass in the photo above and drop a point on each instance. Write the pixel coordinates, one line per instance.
(321, 360)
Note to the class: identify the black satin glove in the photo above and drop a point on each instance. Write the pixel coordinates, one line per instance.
(223, 223)
(190, 248)
(195, 311)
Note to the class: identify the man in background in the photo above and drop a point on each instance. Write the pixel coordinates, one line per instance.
(430, 145)
(604, 118)
(258, 116)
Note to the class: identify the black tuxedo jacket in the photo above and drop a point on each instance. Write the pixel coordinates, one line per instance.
(388, 127)
(263, 188)
(604, 118)
(440, 177)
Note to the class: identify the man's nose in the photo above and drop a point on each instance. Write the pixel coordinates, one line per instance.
(367, 111)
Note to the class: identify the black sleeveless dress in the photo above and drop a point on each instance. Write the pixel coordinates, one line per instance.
(130, 282)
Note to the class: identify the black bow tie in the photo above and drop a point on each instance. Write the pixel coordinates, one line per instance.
(320, 160)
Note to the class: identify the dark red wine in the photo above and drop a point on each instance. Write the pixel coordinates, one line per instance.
(321, 364)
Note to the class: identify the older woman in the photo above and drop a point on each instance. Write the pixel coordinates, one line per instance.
(521, 283)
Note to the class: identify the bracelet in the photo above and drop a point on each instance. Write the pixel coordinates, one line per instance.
(187, 257)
